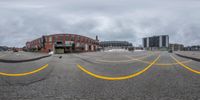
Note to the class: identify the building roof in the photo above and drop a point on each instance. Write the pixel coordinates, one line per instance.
(156, 36)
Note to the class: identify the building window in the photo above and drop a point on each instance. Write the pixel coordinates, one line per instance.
(83, 39)
(164, 41)
(50, 39)
(55, 39)
(72, 38)
(61, 38)
(154, 41)
(46, 39)
(145, 42)
(67, 37)
(78, 38)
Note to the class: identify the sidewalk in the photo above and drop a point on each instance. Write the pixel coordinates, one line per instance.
(194, 55)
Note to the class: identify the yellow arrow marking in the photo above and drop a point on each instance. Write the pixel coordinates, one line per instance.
(26, 73)
(117, 78)
(188, 68)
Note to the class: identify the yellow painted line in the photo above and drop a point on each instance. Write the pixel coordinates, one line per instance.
(119, 61)
(26, 73)
(188, 68)
(117, 78)
(171, 64)
(160, 64)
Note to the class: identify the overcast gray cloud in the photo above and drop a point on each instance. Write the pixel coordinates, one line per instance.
(24, 20)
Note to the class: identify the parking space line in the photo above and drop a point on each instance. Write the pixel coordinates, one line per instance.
(26, 73)
(159, 64)
(188, 68)
(118, 78)
(107, 61)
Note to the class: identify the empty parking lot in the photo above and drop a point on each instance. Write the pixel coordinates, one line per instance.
(100, 75)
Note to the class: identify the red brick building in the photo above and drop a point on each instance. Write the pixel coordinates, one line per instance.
(63, 43)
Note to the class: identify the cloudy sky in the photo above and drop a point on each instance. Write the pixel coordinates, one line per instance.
(24, 20)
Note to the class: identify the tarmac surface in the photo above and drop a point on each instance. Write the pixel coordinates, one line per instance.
(100, 76)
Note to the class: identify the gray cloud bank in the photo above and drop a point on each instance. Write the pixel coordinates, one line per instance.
(24, 20)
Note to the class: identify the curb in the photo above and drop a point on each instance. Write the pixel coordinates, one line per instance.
(195, 59)
(26, 60)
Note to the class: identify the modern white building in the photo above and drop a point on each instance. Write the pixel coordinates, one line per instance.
(156, 42)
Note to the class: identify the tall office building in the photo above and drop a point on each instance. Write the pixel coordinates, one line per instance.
(156, 42)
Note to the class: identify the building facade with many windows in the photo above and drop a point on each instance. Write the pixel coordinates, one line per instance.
(63, 43)
(192, 48)
(107, 45)
(176, 47)
(122, 44)
(156, 42)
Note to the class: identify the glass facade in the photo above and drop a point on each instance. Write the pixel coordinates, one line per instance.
(164, 40)
(154, 41)
(145, 42)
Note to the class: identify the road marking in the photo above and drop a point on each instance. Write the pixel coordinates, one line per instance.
(26, 73)
(119, 61)
(188, 68)
(117, 78)
(159, 64)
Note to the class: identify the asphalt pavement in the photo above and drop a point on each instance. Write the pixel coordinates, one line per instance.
(140, 75)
